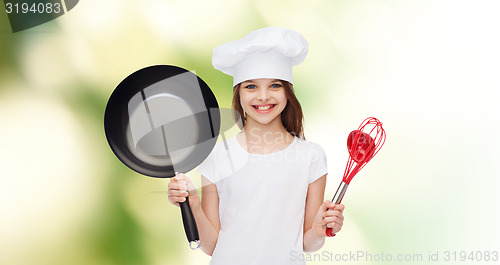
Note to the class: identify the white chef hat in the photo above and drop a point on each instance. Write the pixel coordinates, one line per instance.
(264, 53)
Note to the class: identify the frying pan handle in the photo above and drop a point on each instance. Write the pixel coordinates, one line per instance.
(190, 226)
(337, 198)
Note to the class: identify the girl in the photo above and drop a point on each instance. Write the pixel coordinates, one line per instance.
(262, 189)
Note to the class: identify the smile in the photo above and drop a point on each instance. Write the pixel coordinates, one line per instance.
(264, 108)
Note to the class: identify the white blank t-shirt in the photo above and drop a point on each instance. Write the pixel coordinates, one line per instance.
(262, 201)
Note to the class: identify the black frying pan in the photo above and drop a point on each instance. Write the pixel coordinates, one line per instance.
(162, 120)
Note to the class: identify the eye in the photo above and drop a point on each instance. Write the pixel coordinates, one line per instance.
(251, 87)
(276, 85)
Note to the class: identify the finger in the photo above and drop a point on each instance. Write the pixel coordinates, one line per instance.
(324, 206)
(332, 225)
(173, 185)
(339, 207)
(332, 221)
(178, 193)
(180, 176)
(177, 186)
(335, 227)
(174, 202)
(322, 209)
(339, 219)
(182, 185)
(183, 179)
(333, 213)
(174, 199)
(331, 205)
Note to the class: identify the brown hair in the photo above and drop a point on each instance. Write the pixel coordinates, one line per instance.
(291, 117)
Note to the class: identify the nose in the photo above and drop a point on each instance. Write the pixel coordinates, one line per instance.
(263, 95)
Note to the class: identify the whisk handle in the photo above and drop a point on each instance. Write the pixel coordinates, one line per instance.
(337, 198)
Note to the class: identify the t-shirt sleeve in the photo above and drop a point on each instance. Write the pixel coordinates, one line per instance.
(318, 166)
(207, 167)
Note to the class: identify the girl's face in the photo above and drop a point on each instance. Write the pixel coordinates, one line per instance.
(263, 99)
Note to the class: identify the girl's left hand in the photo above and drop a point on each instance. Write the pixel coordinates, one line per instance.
(329, 216)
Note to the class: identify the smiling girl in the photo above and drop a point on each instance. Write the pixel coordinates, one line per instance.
(263, 189)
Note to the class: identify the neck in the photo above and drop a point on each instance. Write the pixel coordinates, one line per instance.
(274, 132)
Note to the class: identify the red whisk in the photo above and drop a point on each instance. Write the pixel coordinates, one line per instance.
(363, 144)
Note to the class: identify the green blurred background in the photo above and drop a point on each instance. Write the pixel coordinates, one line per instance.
(428, 69)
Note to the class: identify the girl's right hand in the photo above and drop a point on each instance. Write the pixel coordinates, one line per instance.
(179, 188)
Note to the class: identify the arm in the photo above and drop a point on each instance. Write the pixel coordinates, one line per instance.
(314, 199)
(207, 216)
(206, 212)
(319, 215)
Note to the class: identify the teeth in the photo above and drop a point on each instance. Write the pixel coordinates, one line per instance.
(264, 107)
